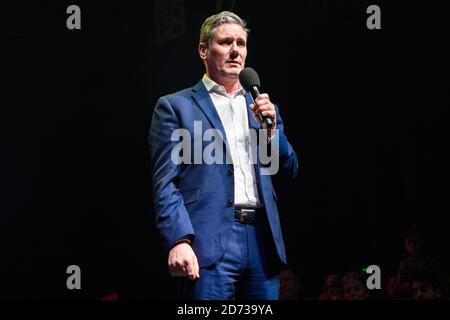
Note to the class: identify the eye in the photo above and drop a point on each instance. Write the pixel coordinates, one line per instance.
(225, 42)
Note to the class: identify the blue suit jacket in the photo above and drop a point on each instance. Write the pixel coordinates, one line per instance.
(197, 199)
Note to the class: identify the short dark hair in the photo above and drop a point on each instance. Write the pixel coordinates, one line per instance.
(211, 23)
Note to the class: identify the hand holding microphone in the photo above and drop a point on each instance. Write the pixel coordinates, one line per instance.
(263, 109)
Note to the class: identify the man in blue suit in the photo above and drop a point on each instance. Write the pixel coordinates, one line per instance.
(219, 220)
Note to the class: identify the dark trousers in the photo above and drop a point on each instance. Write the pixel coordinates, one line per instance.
(248, 269)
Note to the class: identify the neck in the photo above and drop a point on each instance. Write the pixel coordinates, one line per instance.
(230, 84)
(231, 87)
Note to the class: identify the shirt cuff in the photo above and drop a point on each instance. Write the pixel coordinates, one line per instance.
(186, 239)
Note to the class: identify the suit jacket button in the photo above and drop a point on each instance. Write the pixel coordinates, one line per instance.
(230, 173)
(229, 203)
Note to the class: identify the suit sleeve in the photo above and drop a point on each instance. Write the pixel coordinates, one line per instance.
(172, 218)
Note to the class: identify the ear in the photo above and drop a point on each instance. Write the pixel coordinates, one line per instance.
(202, 50)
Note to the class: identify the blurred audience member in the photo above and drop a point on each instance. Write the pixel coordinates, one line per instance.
(289, 285)
(354, 286)
(417, 262)
(332, 289)
(391, 287)
(426, 286)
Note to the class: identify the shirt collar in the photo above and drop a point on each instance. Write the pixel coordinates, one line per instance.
(212, 86)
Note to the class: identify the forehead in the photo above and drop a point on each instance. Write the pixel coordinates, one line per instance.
(230, 30)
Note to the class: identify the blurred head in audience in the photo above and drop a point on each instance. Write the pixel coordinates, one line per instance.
(354, 286)
(426, 286)
(332, 289)
(391, 287)
(413, 244)
(289, 285)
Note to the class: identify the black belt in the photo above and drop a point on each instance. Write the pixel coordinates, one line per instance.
(247, 215)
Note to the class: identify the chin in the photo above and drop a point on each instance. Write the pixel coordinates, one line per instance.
(233, 75)
(234, 69)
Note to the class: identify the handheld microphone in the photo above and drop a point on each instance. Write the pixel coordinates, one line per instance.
(250, 81)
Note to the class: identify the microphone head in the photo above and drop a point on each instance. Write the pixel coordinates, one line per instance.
(249, 78)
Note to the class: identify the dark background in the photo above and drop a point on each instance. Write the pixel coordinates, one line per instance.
(366, 110)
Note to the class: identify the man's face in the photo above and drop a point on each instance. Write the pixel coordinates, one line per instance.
(422, 290)
(225, 55)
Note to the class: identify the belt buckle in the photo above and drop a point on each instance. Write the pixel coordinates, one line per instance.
(243, 215)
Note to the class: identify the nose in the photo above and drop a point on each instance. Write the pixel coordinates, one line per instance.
(234, 48)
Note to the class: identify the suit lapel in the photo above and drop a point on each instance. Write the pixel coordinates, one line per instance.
(252, 123)
(202, 98)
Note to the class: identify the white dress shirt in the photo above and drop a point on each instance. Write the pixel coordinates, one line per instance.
(232, 110)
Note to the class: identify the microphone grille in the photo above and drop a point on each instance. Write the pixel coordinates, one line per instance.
(249, 78)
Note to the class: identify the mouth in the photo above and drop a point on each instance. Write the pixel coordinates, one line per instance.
(234, 62)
